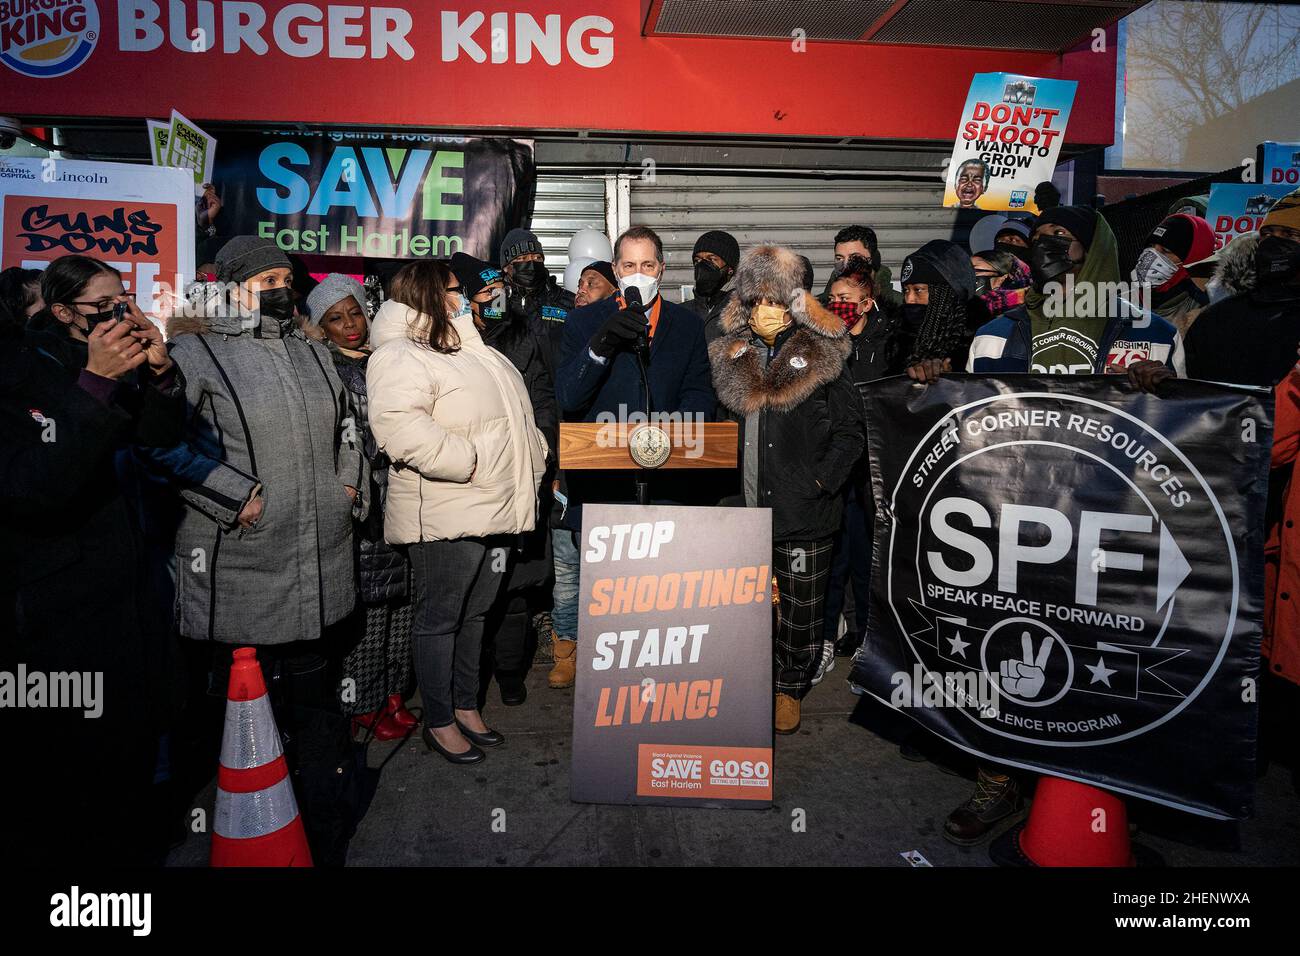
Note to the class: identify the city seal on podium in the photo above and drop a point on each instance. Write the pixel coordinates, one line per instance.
(649, 445)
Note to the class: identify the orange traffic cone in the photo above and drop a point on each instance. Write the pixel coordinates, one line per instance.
(256, 821)
(1070, 824)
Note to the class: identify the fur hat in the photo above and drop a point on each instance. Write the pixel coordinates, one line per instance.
(776, 273)
(810, 358)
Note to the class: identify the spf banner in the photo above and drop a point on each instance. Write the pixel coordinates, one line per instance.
(1068, 577)
(673, 703)
(138, 219)
(1011, 132)
(381, 195)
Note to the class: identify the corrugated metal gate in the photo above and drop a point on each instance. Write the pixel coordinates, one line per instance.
(565, 204)
(801, 212)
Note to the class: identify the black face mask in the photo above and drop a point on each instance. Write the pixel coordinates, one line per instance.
(1018, 251)
(95, 318)
(1049, 257)
(913, 316)
(983, 285)
(276, 303)
(530, 276)
(1276, 260)
(708, 279)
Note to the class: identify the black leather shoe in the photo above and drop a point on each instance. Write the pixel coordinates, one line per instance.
(848, 645)
(489, 739)
(473, 755)
(511, 685)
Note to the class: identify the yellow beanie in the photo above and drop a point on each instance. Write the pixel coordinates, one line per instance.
(1285, 212)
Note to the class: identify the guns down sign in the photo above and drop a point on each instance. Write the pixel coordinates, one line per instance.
(1068, 577)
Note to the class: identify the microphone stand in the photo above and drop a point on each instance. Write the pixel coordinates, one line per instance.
(643, 362)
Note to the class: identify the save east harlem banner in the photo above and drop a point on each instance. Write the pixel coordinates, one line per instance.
(138, 219)
(374, 194)
(1010, 134)
(1068, 577)
(673, 701)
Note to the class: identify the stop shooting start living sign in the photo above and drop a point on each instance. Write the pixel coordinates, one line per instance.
(673, 703)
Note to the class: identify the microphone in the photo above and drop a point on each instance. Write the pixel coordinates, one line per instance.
(632, 300)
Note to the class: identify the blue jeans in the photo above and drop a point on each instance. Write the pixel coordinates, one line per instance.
(564, 594)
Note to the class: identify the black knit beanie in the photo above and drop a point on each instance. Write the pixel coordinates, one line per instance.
(604, 269)
(474, 274)
(1080, 220)
(1175, 233)
(920, 270)
(519, 242)
(721, 244)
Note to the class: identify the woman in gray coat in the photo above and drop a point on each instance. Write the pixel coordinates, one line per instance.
(270, 475)
(269, 467)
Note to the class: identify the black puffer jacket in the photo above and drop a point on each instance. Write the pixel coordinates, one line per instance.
(809, 418)
(520, 342)
(877, 350)
(546, 313)
(382, 570)
(1247, 339)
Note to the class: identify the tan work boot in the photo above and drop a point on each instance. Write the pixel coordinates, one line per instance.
(566, 663)
(787, 714)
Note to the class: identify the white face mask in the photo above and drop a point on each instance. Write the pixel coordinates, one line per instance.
(648, 286)
(462, 308)
(1154, 268)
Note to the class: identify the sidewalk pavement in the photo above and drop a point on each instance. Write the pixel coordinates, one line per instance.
(840, 776)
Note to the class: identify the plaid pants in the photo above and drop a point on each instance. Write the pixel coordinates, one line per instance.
(802, 569)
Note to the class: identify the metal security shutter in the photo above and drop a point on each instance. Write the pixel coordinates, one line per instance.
(565, 204)
(802, 212)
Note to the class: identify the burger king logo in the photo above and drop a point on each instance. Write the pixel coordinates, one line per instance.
(45, 38)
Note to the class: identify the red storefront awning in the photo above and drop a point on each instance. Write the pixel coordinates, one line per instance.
(529, 65)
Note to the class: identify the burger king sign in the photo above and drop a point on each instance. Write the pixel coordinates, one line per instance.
(45, 38)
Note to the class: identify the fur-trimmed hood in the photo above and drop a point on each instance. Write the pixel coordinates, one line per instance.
(1235, 270)
(811, 357)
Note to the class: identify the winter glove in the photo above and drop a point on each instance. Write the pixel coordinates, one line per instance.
(619, 332)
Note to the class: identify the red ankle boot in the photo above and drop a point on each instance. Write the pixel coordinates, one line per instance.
(397, 712)
(380, 723)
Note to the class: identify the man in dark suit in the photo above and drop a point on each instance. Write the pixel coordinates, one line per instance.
(599, 378)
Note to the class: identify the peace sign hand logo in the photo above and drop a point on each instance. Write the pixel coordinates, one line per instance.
(1024, 678)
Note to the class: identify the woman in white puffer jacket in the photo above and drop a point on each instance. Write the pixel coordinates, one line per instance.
(456, 420)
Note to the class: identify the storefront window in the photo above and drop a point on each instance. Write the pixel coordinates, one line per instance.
(1200, 83)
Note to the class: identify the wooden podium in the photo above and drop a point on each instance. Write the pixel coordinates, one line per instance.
(646, 447)
(610, 446)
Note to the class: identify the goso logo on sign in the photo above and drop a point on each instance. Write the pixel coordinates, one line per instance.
(46, 38)
(1051, 556)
